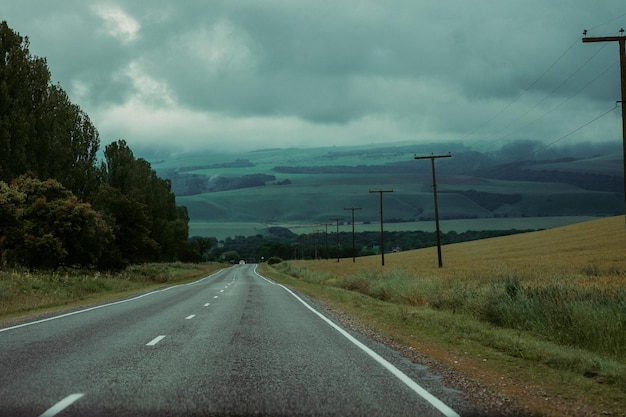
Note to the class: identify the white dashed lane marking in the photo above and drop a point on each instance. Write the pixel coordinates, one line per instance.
(155, 340)
(190, 317)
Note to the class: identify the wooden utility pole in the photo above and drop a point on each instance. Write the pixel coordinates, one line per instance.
(336, 219)
(353, 245)
(317, 242)
(432, 160)
(326, 238)
(382, 232)
(621, 39)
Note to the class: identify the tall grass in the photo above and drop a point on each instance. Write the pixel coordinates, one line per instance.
(25, 291)
(563, 311)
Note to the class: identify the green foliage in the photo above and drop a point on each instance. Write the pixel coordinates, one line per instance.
(47, 219)
(41, 131)
(231, 256)
(44, 226)
(131, 228)
(148, 224)
(201, 247)
(273, 260)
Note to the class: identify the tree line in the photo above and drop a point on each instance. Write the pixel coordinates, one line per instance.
(283, 244)
(59, 204)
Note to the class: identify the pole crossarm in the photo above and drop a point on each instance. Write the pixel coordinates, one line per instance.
(448, 155)
(605, 39)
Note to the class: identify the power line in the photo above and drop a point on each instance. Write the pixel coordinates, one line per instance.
(531, 85)
(541, 148)
(607, 22)
(561, 103)
(549, 94)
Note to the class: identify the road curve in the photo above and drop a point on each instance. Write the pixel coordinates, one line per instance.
(233, 344)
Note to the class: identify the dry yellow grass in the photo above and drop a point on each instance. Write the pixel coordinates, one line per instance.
(594, 252)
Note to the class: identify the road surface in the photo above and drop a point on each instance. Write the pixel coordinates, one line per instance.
(233, 343)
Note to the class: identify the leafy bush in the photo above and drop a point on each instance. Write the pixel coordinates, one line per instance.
(274, 260)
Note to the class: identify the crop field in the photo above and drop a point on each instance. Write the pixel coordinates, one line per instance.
(544, 309)
(222, 230)
(572, 251)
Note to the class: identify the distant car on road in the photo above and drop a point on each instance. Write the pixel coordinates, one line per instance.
(242, 262)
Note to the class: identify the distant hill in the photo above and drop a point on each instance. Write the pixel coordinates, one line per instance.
(310, 186)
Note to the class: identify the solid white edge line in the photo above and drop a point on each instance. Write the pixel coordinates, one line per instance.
(155, 340)
(434, 401)
(6, 329)
(61, 405)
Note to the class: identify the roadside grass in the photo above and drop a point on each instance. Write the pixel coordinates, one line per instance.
(540, 317)
(23, 292)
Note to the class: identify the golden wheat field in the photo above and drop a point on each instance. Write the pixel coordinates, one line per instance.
(592, 253)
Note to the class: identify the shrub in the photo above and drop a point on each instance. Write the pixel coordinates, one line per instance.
(274, 260)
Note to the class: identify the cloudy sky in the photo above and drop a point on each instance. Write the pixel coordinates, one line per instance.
(249, 74)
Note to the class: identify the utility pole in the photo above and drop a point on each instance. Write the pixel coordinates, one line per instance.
(432, 160)
(326, 237)
(621, 39)
(317, 242)
(382, 232)
(336, 219)
(353, 246)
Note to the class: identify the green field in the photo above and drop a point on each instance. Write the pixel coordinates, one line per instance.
(222, 230)
(311, 186)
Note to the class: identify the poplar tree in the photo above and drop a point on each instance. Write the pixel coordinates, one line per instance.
(41, 131)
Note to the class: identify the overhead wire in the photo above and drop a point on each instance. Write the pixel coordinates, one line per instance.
(547, 145)
(550, 94)
(564, 101)
(535, 81)
(520, 95)
(541, 148)
(607, 22)
(576, 130)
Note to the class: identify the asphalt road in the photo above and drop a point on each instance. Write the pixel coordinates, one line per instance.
(233, 343)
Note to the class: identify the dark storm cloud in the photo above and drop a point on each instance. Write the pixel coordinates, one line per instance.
(301, 73)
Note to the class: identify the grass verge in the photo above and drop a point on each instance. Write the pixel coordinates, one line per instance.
(24, 293)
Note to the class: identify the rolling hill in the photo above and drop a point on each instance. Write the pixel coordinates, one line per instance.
(244, 192)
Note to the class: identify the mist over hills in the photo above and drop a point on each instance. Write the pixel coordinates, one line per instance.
(519, 179)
